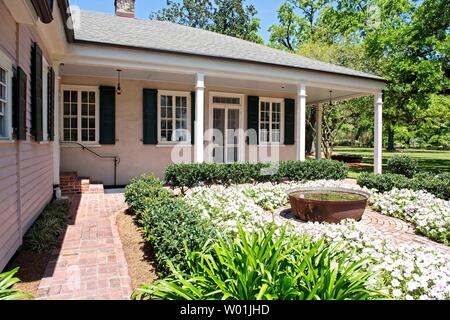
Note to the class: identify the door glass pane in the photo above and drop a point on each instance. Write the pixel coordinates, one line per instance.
(232, 135)
(218, 135)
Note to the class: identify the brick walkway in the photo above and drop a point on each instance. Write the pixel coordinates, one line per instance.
(89, 263)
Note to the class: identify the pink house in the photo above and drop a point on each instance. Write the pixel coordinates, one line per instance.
(110, 97)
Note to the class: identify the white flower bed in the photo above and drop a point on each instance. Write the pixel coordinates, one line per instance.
(429, 214)
(406, 271)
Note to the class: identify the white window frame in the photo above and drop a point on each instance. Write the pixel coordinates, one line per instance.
(6, 64)
(45, 73)
(175, 94)
(271, 100)
(79, 89)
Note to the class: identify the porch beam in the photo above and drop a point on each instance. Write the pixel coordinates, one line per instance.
(56, 129)
(199, 118)
(378, 133)
(300, 123)
(319, 131)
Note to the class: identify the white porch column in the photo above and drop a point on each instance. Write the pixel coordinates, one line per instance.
(57, 131)
(300, 122)
(378, 134)
(319, 132)
(199, 118)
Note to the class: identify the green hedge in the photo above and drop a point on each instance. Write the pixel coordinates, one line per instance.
(187, 176)
(402, 164)
(169, 224)
(439, 184)
(141, 188)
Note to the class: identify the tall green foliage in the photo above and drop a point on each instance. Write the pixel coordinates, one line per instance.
(229, 17)
(264, 266)
(7, 281)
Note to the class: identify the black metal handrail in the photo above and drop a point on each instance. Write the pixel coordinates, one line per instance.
(115, 158)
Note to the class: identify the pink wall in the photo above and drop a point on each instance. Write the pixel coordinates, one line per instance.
(25, 166)
(137, 158)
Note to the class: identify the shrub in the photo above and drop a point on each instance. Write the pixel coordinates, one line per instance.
(438, 185)
(141, 188)
(43, 235)
(171, 227)
(262, 266)
(402, 164)
(7, 280)
(383, 182)
(186, 176)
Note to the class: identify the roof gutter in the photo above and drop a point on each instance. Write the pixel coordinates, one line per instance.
(64, 10)
(44, 10)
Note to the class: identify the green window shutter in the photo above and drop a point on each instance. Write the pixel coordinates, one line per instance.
(150, 116)
(36, 93)
(51, 105)
(289, 120)
(107, 115)
(253, 118)
(192, 116)
(20, 104)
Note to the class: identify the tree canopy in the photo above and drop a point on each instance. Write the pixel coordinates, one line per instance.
(229, 17)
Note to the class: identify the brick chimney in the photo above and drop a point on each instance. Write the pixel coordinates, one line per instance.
(124, 8)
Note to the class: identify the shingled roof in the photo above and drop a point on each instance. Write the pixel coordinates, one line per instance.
(170, 37)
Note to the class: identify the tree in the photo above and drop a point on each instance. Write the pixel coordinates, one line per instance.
(229, 17)
(294, 30)
(413, 56)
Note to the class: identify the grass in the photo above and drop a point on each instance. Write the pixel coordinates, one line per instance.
(429, 160)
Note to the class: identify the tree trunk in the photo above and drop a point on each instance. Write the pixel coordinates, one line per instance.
(391, 142)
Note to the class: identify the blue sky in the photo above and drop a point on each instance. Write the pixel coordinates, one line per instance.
(266, 9)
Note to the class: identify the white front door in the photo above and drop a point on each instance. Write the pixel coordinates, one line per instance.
(226, 120)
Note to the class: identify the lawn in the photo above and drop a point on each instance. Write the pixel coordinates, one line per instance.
(429, 160)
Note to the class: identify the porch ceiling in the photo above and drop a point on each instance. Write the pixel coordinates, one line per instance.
(315, 94)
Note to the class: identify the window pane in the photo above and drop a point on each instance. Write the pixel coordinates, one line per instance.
(74, 96)
(91, 135)
(91, 123)
(92, 110)
(74, 123)
(169, 113)
(169, 101)
(84, 135)
(74, 135)
(84, 109)
(73, 109)
(2, 92)
(66, 109)
(66, 122)
(2, 75)
(84, 123)
(84, 97)
(66, 135)
(66, 96)
(92, 97)
(2, 125)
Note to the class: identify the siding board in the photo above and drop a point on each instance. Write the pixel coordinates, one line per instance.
(26, 182)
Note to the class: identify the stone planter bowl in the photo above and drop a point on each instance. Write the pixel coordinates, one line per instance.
(331, 211)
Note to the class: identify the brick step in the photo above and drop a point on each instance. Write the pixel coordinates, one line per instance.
(72, 184)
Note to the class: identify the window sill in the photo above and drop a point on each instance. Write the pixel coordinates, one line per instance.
(173, 145)
(271, 145)
(74, 145)
(7, 141)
